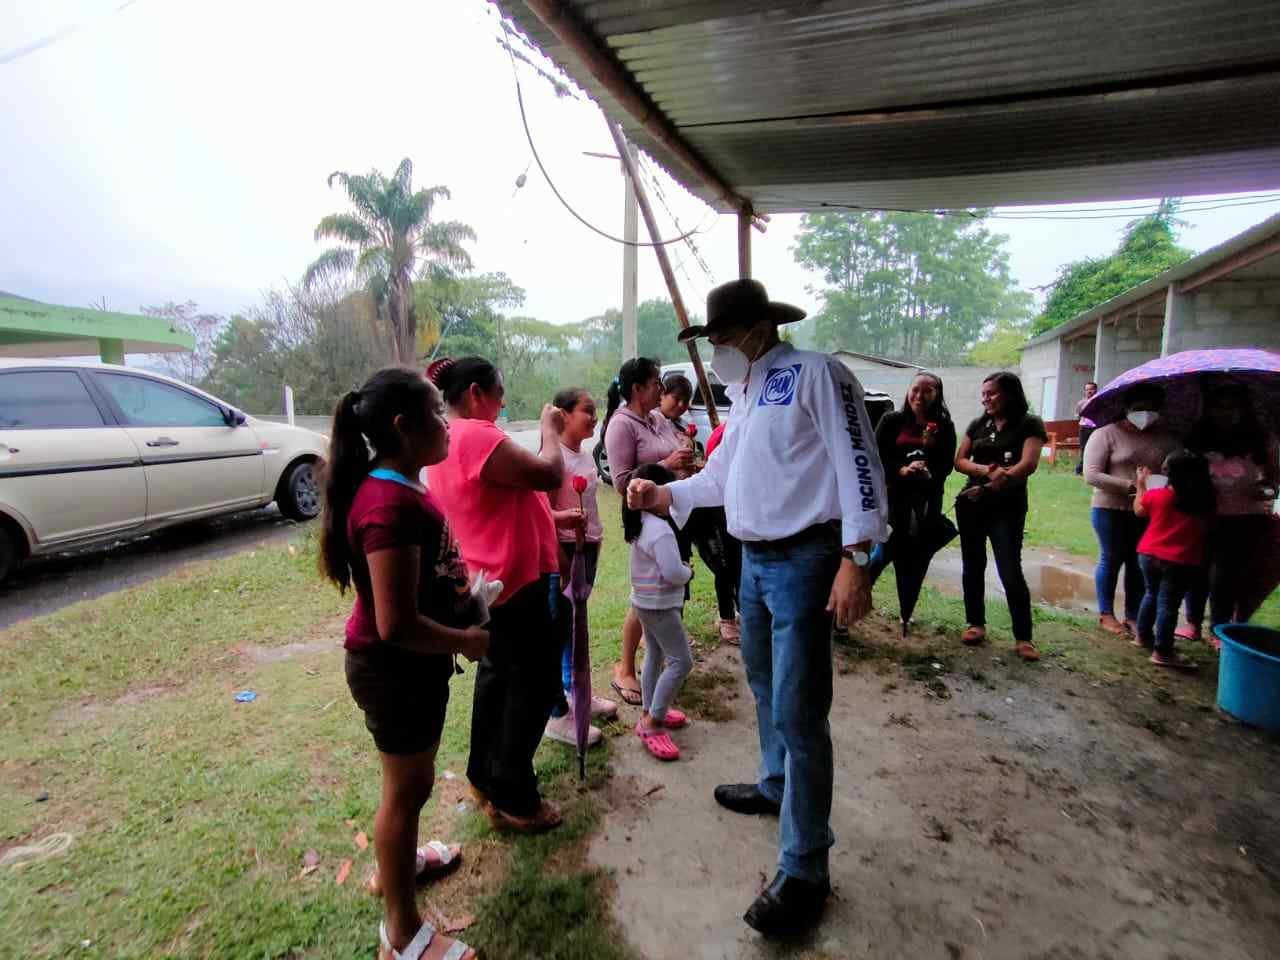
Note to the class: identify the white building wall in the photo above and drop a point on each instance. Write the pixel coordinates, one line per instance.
(1229, 313)
(1040, 369)
(961, 385)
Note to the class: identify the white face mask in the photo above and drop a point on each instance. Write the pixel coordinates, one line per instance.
(1142, 418)
(729, 363)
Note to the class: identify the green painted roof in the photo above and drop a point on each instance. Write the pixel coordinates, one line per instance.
(30, 328)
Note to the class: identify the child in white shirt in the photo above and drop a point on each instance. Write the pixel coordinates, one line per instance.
(660, 574)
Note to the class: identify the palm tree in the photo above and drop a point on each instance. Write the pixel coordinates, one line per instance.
(387, 242)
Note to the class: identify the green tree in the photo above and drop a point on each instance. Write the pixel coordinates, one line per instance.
(387, 242)
(907, 285)
(318, 341)
(1148, 248)
(189, 366)
(460, 314)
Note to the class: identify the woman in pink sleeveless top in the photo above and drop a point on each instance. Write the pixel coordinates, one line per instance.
(493, 492)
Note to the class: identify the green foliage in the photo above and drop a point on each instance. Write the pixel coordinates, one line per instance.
(387, 241)
(1147, 249)
(1001, 347)
(321, 342)
(907, 285)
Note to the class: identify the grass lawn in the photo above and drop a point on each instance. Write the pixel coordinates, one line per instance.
(191, 814)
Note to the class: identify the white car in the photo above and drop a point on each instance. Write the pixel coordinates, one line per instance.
(91, 452)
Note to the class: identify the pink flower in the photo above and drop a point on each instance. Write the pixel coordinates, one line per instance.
(691, 429)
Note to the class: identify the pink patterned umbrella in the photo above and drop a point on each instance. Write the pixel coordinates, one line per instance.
(1181, 376)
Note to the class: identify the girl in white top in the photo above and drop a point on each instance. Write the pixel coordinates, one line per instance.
(572, 510)
(660, 575)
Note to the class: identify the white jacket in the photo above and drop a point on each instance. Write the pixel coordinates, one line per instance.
(798, 451)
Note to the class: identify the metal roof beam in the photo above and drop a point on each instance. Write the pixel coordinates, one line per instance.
(564, 22)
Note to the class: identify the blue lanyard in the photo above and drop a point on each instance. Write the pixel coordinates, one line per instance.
(395, 476)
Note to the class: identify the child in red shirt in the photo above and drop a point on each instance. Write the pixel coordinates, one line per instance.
(1171, 552)
(384, 535)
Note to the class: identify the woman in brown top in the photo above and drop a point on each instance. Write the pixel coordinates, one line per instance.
(635, 432)
(1111, 463)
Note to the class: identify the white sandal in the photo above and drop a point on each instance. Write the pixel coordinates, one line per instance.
(418, 945)
(446, 857)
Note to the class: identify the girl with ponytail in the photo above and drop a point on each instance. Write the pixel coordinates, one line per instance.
(636, 433)
(384, 535)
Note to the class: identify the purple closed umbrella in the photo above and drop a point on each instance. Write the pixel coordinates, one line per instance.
(578, 591)
(1179, 376)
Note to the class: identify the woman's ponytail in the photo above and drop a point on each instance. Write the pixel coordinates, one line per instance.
(344, 471)
(363, 428)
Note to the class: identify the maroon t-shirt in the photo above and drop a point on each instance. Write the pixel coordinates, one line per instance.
(384, 515)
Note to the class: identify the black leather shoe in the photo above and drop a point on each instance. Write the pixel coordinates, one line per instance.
(789, 908)
(746, 798)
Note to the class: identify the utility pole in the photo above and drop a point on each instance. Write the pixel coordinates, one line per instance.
(630, 253)
(627, 152)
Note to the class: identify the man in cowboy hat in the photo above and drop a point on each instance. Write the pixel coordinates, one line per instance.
(801, 483)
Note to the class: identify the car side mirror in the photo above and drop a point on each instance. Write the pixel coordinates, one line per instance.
(234, 417)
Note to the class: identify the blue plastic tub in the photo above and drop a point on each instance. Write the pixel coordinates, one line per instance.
(1249, 674)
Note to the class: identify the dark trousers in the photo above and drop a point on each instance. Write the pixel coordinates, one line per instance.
(517, 684)
(1167, 584)
(1085, 434)
(1118, 534)
(1231, 548)
(708, 530)
(979, 523)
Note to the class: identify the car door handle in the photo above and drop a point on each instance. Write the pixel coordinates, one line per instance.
(162, 442)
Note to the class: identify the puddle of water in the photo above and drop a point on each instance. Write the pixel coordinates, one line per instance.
(1056, 579)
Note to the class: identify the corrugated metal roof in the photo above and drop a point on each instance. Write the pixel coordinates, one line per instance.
(948, 103)
(1242, 241)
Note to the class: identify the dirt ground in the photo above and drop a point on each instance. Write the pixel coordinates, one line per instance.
(1007, 811)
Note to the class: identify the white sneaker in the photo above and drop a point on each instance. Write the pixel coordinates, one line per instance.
(561, 730)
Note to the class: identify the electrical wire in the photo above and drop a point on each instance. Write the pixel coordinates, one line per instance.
(1013, 215)
(524, 119)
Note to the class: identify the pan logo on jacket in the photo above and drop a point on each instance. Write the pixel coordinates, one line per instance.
(780, 386)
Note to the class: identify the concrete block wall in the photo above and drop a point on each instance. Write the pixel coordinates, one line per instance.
(1040, 364)
(961, 385)
(1229, 313)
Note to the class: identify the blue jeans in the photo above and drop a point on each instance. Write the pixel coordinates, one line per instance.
(1167, 584)
(786, 648)
(1118, 534)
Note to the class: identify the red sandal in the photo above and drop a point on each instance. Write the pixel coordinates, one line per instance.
(657, 742)
(675, 719)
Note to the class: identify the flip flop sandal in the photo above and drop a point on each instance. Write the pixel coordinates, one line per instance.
(1175, 662)
(418, 946)
(973, 637)
(675, 719)
(658, 743)
(626, 694)
(1026, 651)
(448, 859)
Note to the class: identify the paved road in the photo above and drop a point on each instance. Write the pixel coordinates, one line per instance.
(47, 584)
(50, 583)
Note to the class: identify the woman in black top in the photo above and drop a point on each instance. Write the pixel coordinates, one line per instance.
(999, 451)
(917, 448)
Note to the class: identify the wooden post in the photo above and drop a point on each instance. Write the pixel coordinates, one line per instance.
(744, 242)
(630, 254)
(664, 262)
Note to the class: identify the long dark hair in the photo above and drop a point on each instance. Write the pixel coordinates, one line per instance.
(566, 400)
(456, 377)
(1015, 398)
(364, 419)
(632, 519)
(938, 410)
(633, 373)
(1192, 485)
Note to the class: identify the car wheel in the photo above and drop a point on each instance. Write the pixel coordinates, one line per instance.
(299, 497)
(602, 465)
(9, 554)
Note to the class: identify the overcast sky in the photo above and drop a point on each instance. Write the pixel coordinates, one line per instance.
(178, 149)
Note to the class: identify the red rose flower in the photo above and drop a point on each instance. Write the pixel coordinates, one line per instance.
(691, 429)
(579, 484)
